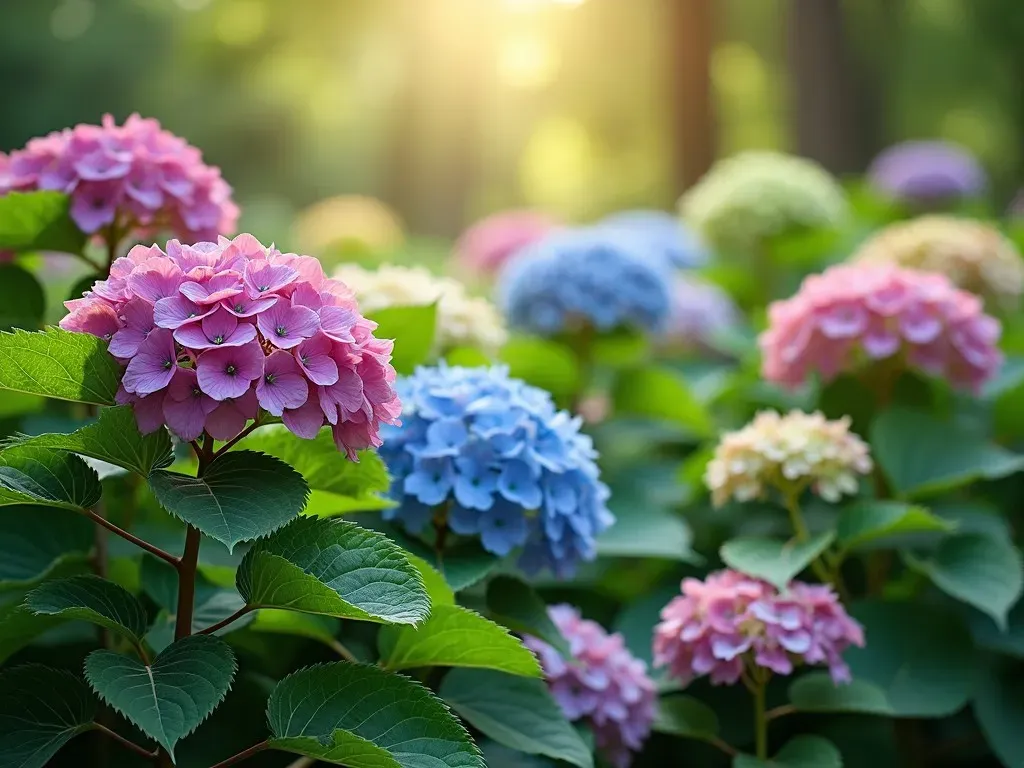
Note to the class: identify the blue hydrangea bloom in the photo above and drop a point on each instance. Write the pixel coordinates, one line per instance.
(592, 275)
(499, 462)
(659, 235)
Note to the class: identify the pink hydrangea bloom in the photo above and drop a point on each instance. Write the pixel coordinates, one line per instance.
(137, 176)
(729, 620)
(211, 334)
(487, 245)
(605, 684)
(853, 314)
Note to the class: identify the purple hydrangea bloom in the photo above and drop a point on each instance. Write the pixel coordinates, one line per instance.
(927, 172)
(494, 459)
(729, 620)
(603, 684)
(591, 275)
(213, 332)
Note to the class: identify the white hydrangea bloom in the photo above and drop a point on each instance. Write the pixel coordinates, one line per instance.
(750, 197)
(462, 320)
(787, 453)
(972, 254)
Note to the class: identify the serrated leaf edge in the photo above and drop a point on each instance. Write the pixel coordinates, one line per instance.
(231, 682)
(477, 753)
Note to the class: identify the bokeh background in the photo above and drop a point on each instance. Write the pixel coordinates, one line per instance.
(450, 109)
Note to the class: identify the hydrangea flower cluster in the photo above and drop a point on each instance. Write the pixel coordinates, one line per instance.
(588, 276)
(462, 320)
(661, 235)
(924, 172)
(853, 314)
(490, 457)
(603, 684)
(486, 246)
(135, 176)
(212, 333)
(700, 310)
(787, 453)
(973, 255)
(749, 198)
(718, 626)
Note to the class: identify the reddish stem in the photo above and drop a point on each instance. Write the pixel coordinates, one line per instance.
(243, 755)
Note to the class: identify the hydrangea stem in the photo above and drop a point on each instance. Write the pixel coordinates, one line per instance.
(189, 561)
(760, 718)
(796, 519)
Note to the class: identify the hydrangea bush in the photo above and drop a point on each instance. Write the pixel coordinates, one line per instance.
(255, 514)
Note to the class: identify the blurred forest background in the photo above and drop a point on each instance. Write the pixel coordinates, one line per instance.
(450, 109)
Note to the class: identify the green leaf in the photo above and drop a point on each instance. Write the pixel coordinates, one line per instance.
(982, 571)
(461, 565)
(919, 661)
(661, 394)
(687, 717)
(364, 717)
(22, 301)
(46, 477)
(465, 564)
(515, 711)
(169, 699)
(90, 598)
(439, 591)
(413, 330)
(799, 752)
(38, 221)
(242, 495)
(817, 692)
(320, 628)
(648, 532)
(59, 364)
(355, 484)
(36, 540)
(923, 456)
(776, 562)
(19, 627)
(454, 636)
(516, 605)
(999, 710)
(542, 363)
(41, 710)
(334, 568)
(114, 438)
(866, 524)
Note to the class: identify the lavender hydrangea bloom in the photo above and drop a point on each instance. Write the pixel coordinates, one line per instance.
(591, 275)
(700, 311)
(660, 235)
(498, 462)
(606, 686)
(927, 172)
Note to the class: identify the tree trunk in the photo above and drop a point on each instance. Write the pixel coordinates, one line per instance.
(691, 31)
(827, 104)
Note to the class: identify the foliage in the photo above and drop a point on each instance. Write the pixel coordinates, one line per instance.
(156, 591)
